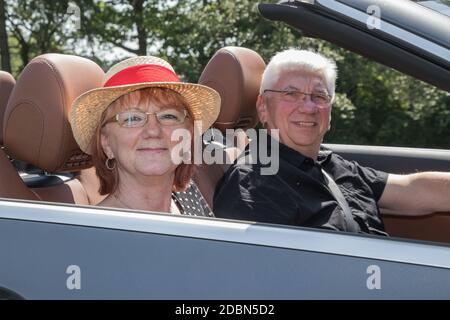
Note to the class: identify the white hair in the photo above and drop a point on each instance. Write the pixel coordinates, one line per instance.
(300, 60)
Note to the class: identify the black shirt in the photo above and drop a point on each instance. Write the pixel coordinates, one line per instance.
(298, 194)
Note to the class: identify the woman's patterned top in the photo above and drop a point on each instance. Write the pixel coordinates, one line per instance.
(191, 202)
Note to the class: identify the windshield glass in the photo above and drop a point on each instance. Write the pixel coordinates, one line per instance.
(442, 6)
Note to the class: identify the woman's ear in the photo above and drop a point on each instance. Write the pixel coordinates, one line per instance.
(105, 145)
(261, 108)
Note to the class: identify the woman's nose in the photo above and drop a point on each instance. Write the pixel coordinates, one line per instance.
(152, 127)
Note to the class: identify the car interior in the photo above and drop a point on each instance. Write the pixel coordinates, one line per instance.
(235, 73)
(7, 83)
(41, 161)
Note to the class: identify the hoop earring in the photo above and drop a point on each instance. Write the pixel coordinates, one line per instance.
(109, 166)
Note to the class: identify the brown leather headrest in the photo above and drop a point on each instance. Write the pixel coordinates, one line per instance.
(235, 73)
(6, 85)
(37, 129)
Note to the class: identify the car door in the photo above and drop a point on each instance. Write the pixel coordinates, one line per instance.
(54, 251)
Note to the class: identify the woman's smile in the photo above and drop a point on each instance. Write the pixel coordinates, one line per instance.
(152, 150)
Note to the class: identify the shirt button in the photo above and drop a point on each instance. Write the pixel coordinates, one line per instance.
(298, 184)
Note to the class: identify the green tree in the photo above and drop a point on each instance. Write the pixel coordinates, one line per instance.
(380, 106)
(130, 25)
(4, 45)
(194, 30)
(37, 26)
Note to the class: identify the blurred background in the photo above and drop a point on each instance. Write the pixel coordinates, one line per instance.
(375, 105)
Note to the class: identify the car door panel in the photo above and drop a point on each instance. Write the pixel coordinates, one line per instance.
(251, 262)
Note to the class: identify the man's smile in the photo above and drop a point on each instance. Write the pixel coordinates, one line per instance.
(305, 123)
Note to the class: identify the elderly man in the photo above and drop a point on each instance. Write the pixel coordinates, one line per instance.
(313, 186)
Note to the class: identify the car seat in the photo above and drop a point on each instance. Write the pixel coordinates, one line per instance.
(7, 83)
(36, 131)
(235, 73)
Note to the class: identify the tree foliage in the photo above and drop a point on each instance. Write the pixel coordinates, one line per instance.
(36, 27)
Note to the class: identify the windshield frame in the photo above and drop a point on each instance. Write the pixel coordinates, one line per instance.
(440, 6)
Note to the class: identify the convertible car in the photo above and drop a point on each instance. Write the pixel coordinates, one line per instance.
(54, 244)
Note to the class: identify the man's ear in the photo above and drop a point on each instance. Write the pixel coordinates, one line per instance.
(329, 122)
(261, 108)
(105, 145)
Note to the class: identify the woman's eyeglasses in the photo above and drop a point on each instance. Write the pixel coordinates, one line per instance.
(138, 118)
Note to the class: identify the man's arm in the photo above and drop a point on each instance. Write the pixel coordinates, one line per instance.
(416, 194)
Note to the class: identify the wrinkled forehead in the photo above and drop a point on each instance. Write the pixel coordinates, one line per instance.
(301, 80)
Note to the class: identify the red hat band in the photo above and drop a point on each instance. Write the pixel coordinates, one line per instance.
(142, 73)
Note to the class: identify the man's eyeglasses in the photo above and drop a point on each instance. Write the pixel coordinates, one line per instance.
(319, 98)
(137, 118)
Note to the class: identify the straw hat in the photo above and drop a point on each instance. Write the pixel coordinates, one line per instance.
(130, 75)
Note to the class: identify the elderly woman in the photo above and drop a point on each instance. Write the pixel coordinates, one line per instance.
(127, 126)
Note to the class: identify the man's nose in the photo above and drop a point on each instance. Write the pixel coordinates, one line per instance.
(306, 105)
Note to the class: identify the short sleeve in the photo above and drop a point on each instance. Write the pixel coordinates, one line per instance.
(375, 179)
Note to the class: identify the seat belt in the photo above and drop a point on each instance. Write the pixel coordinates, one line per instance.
(350, 223)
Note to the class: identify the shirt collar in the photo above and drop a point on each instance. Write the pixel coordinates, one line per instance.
(296, 158)
(324, 155)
